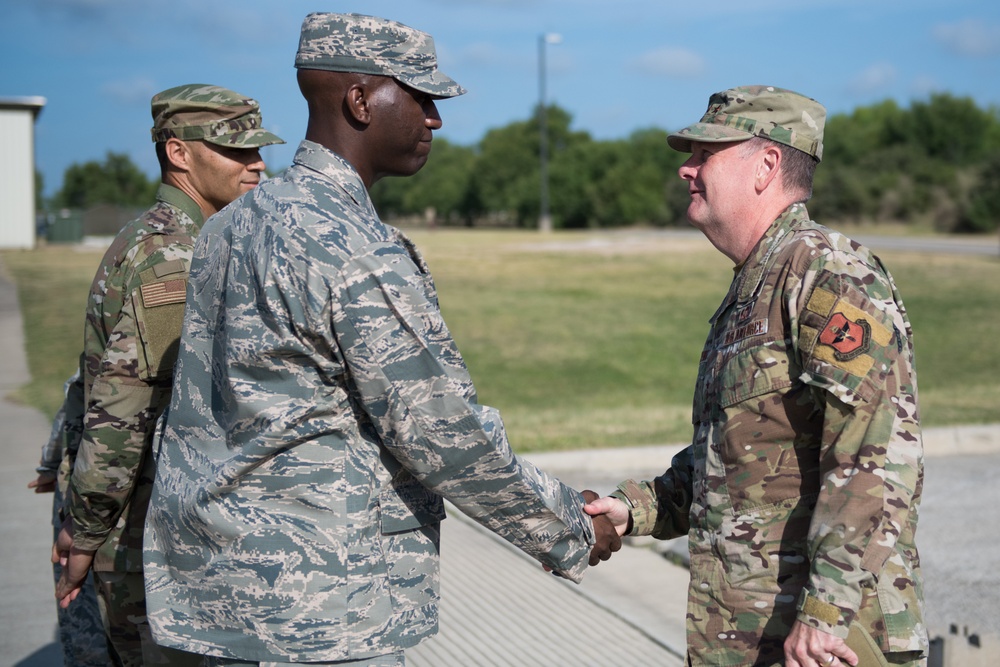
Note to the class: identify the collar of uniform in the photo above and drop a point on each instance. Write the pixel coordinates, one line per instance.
(754, 268)
(335, 168)
(168, 194)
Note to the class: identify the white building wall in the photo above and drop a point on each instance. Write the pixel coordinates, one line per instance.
(17, 178)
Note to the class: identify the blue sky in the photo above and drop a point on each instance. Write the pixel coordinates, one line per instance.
(621, 65)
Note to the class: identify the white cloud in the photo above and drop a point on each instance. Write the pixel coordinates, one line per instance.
(671, 62)
(874, 79)
(488, 3)
(976, 39)
(132, 91)
(923, 86)
(479, 53)
(79, 10)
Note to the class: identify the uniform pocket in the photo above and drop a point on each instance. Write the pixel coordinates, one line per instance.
(411, 540)
(757, 370)
(407, 504)
(769, 441)
(761, 548)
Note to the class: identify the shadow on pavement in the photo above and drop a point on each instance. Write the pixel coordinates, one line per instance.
(47, 656)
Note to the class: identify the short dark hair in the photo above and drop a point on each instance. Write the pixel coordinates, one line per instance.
(797, 167)
(161, 157)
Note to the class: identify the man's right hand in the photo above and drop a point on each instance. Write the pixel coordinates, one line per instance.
(606, 527)
(44, 483)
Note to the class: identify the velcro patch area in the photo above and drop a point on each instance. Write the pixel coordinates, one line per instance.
(163, 293)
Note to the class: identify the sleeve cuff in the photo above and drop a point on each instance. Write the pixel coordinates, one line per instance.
(642, 507)
(821, 615)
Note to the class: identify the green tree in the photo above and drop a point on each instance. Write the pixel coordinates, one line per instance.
(847, 139)
(839, 193)
(39, 188)
(629, 182)
(950, 128)
(506, 181)
(117, 180)
(442, 186)
(983, 214)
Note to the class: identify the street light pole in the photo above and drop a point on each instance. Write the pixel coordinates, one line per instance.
(544, 218)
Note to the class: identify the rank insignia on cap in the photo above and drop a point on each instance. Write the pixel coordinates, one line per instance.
(848, 339)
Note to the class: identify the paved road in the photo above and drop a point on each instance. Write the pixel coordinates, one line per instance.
(952, 245)
(686, 237)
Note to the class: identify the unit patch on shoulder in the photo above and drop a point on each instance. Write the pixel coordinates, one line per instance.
(848, 339)
(847, 336)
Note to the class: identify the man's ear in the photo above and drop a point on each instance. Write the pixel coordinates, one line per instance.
(357, 101)
(767, 167)
(178, 154)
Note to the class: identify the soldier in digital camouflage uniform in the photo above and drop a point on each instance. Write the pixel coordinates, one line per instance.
(799, 492)
(321, 408)
(81, 631)
(207, 141)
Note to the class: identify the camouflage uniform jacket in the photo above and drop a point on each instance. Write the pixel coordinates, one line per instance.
(134, 316)
(321, 411)
(800, 490)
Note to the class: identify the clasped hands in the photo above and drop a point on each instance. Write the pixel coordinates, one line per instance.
(611, 518)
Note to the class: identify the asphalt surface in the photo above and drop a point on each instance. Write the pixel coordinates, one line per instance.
(498, 607)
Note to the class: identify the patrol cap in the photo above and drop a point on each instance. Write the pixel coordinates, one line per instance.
(745, 112)
(372, 45)
(199, 111)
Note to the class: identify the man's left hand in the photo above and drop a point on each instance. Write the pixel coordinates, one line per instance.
(808, 647)
(75, 565)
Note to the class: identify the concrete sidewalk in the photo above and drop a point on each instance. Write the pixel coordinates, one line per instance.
(27, 608)
(498, 606)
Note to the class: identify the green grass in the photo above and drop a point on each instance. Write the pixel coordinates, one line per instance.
(52, 283)
(954, 306)
(589, 339)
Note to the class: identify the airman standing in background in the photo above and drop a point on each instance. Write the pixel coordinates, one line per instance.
(207, 143)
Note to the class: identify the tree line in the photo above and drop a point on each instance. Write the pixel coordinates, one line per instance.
(935, 164)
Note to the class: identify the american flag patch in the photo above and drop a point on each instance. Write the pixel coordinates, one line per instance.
(161, 294)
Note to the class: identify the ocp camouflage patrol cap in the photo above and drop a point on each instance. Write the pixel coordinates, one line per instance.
(198, 111)
(745, 112)
(372, 45)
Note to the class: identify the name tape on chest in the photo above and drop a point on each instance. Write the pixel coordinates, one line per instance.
(755, 328)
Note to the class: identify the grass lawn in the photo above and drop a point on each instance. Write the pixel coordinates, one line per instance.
(588, 339)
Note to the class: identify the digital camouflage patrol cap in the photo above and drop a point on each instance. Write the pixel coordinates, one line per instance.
(198, 111)
(745, 112)
(372, 45)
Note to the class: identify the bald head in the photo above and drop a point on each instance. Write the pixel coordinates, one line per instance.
(325, 92)
(337, 104)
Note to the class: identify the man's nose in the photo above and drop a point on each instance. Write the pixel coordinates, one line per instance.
(433, 118)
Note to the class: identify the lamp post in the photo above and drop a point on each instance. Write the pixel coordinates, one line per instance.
(544, 219)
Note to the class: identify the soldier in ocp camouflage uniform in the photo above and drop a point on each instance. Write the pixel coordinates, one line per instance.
(321, 409)
(81, 631)
(799, 492)
(207, 142)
